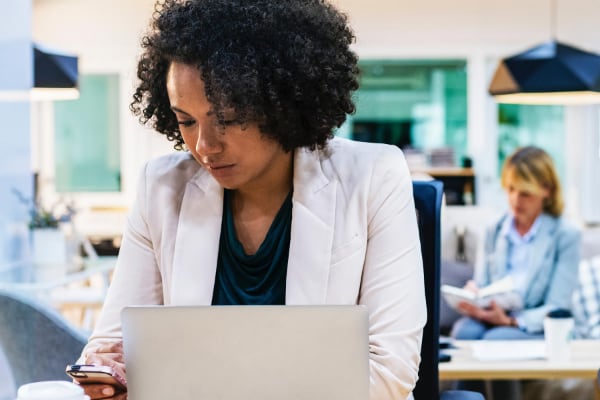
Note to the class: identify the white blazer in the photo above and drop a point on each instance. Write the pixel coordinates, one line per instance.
(354, 240)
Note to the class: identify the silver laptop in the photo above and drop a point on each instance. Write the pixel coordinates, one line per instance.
(246, 352)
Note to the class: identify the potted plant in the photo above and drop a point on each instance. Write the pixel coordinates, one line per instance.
(47, 241)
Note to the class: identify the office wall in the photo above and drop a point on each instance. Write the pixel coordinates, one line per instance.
(468, 26)
(106, 34)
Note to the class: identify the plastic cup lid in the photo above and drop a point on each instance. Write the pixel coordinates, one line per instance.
(559, 313)
(51, 390)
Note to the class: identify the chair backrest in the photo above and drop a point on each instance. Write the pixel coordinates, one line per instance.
(428, 202)
(37, 341)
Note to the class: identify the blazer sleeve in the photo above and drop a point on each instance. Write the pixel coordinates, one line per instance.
(563, 281)
(392, 283)
(137, 280)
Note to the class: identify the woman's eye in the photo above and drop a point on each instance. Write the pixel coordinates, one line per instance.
(186, 123)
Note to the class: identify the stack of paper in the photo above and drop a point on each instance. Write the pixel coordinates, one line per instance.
(508, 350)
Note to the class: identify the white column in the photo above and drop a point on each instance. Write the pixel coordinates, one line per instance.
(16, 75)
(582, 183)
(482, 132)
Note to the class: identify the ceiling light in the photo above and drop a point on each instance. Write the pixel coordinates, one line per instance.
(552, 73)
(55, 77)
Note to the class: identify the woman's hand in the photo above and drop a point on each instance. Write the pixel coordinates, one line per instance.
(471, 286)
(110, 355)
(493, 315)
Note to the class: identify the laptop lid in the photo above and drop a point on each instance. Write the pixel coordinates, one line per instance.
(246, 352)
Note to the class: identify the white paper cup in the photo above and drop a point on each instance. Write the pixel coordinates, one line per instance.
(51, 390)
(558, 329)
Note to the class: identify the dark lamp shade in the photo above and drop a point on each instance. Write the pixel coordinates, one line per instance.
(55, 77)
(552, 73)
(53, 70)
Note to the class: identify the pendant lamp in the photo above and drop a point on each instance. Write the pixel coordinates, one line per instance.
(551, 73)
(55, 77)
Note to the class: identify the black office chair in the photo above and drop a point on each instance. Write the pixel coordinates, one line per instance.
(37, 341)
(428, 202)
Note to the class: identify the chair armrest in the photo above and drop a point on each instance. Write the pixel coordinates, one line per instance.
(460, 395)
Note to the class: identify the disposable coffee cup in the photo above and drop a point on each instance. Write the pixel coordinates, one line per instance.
(51, 390)
(558, 330)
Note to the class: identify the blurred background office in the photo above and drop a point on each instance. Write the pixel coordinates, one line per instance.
(426, 69)
(426, 65)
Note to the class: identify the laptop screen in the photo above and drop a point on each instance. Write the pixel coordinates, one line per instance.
(246, 352)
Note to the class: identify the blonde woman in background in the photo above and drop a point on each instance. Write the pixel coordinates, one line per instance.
(533, 245)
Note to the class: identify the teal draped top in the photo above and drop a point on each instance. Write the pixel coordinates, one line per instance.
(258, 278)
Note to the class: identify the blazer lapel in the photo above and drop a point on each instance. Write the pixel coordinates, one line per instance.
(313, 218)
(197, 241)
(538, 254)
(500, 265)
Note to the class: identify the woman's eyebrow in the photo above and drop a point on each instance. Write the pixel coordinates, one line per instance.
(179, 110)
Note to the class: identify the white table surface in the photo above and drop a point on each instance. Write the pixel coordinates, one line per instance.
(584, 363)
(26, 277)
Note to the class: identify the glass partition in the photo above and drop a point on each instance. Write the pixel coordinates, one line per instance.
(87, 137)
(415, 104)
(523, 125)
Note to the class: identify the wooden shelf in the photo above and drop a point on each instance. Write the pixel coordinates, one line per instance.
(447, 171)
(459, 183)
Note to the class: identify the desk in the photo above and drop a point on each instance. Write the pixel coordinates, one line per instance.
(58, 288)
(25, 277)
(584, 363)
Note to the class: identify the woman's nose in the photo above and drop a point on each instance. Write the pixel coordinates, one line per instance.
(208, 141)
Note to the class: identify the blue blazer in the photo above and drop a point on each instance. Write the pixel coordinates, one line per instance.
(553, 268)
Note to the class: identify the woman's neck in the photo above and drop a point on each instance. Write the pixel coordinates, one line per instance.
(254, 210)
(268, 194)
(524, 225)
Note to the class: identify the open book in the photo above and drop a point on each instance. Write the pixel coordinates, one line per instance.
(502, 292)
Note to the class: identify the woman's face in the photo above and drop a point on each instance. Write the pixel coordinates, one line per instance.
(525, 204)
(237, 158)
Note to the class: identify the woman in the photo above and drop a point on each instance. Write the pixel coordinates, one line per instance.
(253, 90)
(533, 246)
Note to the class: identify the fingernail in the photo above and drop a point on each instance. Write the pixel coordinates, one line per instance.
(108, 391)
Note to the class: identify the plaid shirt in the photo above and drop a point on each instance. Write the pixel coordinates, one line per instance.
(586, 300)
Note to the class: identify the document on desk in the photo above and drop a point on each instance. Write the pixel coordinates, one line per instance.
(508, 350)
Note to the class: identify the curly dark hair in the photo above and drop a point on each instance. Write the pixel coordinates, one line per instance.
(283, 64)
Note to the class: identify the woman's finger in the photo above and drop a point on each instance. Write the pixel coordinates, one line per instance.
(99, 391)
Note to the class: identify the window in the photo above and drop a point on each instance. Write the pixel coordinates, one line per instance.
(418, 104)
(87, 138)
(524, 125)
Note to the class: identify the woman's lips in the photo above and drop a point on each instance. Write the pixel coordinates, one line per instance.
(218, 166)
(219, 170)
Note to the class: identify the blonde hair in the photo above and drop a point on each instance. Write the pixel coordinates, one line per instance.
(531, 169)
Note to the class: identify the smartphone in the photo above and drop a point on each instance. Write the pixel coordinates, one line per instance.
(85, 374)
